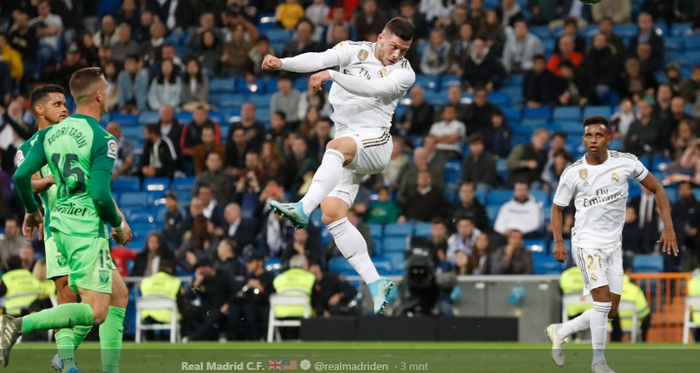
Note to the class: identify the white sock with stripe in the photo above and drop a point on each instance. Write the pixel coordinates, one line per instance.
(575, 325)
(325, 179)
(599, 329)
(354, 248)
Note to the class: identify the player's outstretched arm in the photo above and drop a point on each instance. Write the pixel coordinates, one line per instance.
(668, 236)
(125, 235)
(303, 63)
(557, 223)
(399, 81)
(42, 184)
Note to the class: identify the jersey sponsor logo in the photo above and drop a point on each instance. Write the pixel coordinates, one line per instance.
(362, 55)
(19, 158)
(583, 174)
(112, 149)
(615, 178)
(71, 209)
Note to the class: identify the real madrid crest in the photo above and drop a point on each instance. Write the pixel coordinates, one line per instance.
(594, 277)
(381, 73)
(362, 54)
(583, 174)
(615, 178)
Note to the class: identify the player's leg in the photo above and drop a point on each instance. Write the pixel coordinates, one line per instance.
(112, 329)
(339, 153)
(65, 338)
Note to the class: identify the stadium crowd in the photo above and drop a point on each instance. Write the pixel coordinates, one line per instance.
(206, 139)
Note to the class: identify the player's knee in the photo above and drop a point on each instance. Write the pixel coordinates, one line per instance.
(331, 216)
(99, 314)
(66, 295)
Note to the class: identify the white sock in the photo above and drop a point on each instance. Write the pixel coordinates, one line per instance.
(354, 248)
(599, 329)
(325, 179)
(575, 325)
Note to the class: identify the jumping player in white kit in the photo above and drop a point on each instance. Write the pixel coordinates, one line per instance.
(372, 78)
(599, 184)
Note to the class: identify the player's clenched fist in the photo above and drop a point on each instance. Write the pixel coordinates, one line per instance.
(560, 252)
(271, 62)
(317, 80)
(32, 222)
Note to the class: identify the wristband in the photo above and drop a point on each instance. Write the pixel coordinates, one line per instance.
(556, 242)
(121, 226)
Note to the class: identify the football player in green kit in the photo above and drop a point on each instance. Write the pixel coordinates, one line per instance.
(80, 155)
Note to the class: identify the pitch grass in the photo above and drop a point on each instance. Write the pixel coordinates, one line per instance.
(418, 356)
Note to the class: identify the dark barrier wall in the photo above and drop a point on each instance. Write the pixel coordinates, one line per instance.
(410, 329)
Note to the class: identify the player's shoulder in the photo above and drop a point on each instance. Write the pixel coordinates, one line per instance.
(350, 47)
(573, 168)
(622, 156)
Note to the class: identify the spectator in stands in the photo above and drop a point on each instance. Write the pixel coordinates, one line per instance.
(332, 295)
(26, 255)
(314, 99)
(153, 46)
(672, 71)
(254, 131)
(566, 53)
(602, 66)
(571, 30)
(574, 86)
(303, 246)
(409, 176)
(192, 133)
(645, 58)
(509, 13)
(469, 207)
(216, 177)
(461, 48)
(154, 252)
(539, 84)
(121, 256)
(177, 17)
(111, 75)
(252, 302)
(226, 259)
(437, 244)
(557, 160)
(319, 140)
(249, 182)
(690, 161)
(209, 49)
(159, 156)
(302, 42)
(48, 28)
(480, 111)
(370, 20)
(674, 116)
(235, 58)
(397, 162)
(240, 231)
(23, 37)
(12, 57)
(107, 34)
(464, 238)
(437, 11)
(166, 88)
(128, 14)
(435, 59)
(644, 134)
(424, 202)
(201, 152)
(690, 88)
(195, 87)
(124, 46)
(61, 72)
(522, 213)
(687, 210)
(12, 242)
(286, 99)
(605, 27)
(648, 35)
(449, 133)
(418, 117)
(479, 263)
(236, 149)
(172, 223)
(632, 236)
(336, 17)
(104, 55)
(212, 209)
(299, 167)
(125, 154)
(526, 162)
(492, 33)
(454, 98)
(645, 206)
(278, 128)
(635, 84)
(141, 32)
(482, 68)
(289, 13)
(272, 160)
(435, 158)
(317, 12)
(621, 121)
(384, 210)
(521, 48)
(169, 126)
(132, 85)
(479, 167)
(681, 139)
(514, 258)
(233, 17)
(197, 237)
(497, 136)
(260, 49)
(619, 11)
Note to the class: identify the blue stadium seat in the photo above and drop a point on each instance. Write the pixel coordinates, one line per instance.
(394, 244)
(564, 113)
(571, 127)
(674, 44)
(513, 115)
(515, 80)
(326, 237)
(301, 84)
(453, 172)
(132, 133)
(273, 265)
(376, 230)
(543, 113)
(141, 216)
(134, 199)
(125, 120)
(696, 193)
(681, 29)
(137, 243)
(492, 212)
(448, 80)
(257, 87)
(604, 111)
(501, 99)
(260, 101)
(514, 93)
(692, 43)
(401, 230)
(626, 30)
(436, 98)
(153, 184)
(382, 264)
(183, 183)
(143, 229)
(278, 36)
(148, 117)
(499, 197)
(222, 85)
(617, 144)
(315, 218)
(536, 245)
(672, 194)
(228, 100)
(340, 264)
(548, 45)
(648, 263)
(263, 116)
(397, 260)
(591, 31)
(689, 59)
(185, 117)
(431, 83)
(481, 197)
(545, 264)
(422, 229)
(126, 184)
(501, 169)
(450, 193)
(543, 32)
(540, 196)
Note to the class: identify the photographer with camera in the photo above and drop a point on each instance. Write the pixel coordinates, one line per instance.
(333, 295)
(251, 304)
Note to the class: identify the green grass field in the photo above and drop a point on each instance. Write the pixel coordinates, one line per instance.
(417, 356)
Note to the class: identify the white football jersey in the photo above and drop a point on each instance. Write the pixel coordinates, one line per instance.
(600, 198)
(352, 113)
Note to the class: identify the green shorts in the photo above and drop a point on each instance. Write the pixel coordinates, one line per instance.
(56, 263)
(89, 261)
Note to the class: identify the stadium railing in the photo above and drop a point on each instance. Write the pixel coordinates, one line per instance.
(666, 294)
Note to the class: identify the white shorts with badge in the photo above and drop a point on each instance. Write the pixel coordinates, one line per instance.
(599, 268)
(372, 156)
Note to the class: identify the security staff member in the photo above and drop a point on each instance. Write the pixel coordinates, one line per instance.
(571, 282)
(631, 293)
(297, 277)
(333, 295)
(18, 281)
(162, 284)
(694, 289)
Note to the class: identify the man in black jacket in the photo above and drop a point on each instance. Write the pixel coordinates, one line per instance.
(647, 35)
(251, 303)
(480, 166)
(483, 67)
(539, 86)
(169, 126)
(159, 157)
(687, 210)
(234, 227)
(418, 117)
(479, 112)
(333, 295)
(469, 207)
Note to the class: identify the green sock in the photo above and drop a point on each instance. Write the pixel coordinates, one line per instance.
(64, 342)
(111, 332)
(80, 333)
(59, 317)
